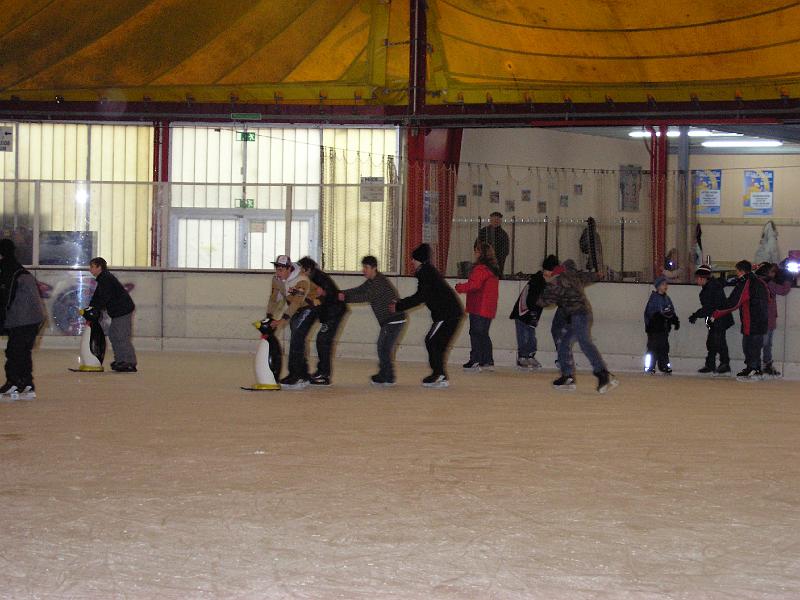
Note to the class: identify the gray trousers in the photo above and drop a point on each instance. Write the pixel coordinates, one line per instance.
(119, 332)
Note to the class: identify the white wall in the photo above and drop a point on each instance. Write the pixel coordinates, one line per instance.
(214, 312)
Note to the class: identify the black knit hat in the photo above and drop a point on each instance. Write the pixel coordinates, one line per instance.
(703, 271)
(7, 248)
(550, 263)
(422, 253)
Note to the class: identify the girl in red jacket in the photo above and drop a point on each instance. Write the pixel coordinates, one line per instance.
(481, 289)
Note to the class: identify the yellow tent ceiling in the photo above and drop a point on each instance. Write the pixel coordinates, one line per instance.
(356, 51)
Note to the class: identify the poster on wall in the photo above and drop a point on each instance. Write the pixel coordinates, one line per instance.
(759, 185)
(494, 197)
(461, 200)
(630, 185)
(525, 195)
(707, 191)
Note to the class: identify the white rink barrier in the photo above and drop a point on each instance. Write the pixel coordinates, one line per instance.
(214, 310)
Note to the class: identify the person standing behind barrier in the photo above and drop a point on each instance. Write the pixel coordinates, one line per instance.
(494, 235)
(482, 290)
(292, 296)
(566, 290)
(712, 297)
(446, 312)
(380, 293)
(777, 285)
(751, 298)
(21, 316)
(330, 311)
(112, 297)
(659, 318)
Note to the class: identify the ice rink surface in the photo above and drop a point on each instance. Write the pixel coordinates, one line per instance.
(173, 483)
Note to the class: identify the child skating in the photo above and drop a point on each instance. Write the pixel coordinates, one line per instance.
(565, 288)
(481, 289)
(659, 318)
(526, 315)
(712, 297)
(112, 297)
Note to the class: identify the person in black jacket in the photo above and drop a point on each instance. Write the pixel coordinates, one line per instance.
(712, 297)
(446, 312)
(111, 296)
(751, 297)
(331, 311)
(526, 315)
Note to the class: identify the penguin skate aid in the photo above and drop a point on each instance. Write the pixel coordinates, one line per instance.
(93, 343)
(268, 359)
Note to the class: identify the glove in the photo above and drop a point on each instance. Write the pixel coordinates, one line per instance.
(677, 322)
(692, 319)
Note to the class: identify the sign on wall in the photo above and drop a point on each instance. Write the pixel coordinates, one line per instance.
(759, 185)
(6, 139)
(707, 191)
(372, 189)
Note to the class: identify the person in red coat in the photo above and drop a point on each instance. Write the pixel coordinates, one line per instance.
(481, 289)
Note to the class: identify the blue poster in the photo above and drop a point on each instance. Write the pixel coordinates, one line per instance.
(707, 191)
(758, 189)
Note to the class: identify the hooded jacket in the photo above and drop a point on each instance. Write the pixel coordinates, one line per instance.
(751, 297)
(659, 313)
(712, 298)
(291, 295)
(433, 291)
(482, 289)
(566, 290)
(525, 308)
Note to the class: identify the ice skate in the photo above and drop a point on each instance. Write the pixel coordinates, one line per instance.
(471, 366)
(771, 371)
(747, 375)
(722, 371)
(706, 370)
(9, 392)
(565, 383)
(435, 381)
(606, 382)
(319, 380)
(27, 393)
(381, 381)
(293, 382)
(488, 367)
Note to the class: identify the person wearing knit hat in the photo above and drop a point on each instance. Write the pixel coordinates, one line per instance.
(22, 315)
(659, 318)
(712, 297)
(446, 312)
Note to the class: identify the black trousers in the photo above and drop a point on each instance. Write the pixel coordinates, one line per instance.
(326, 336)
(437, 342)
(19, 363)
(751, 345)
(299, 324)
(716, 343)
(658, 348)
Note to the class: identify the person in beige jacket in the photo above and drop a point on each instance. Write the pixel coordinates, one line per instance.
(292, 299)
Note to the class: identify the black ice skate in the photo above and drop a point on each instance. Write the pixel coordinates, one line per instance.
(606, 381)
(435, 381)
(722, 371)
(771, 371)
(471, 366)
(565, 383)
(706, 370)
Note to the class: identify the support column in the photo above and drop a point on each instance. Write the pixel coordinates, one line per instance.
(160, 177)
(684, 204)
(658, 195)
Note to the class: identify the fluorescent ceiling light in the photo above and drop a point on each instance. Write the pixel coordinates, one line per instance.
(742, 144)
(709, 133)
(672, 133)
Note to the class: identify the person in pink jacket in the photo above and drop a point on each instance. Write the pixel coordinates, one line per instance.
(778, 285)
(481, 289)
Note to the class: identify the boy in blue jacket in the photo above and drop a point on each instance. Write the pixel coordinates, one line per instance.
(659, 318)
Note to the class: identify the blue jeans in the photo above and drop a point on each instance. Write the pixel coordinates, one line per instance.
(558, 328)
(768, 346)
(387, 339)
(526, 339)
(578, 329)
(480, 342)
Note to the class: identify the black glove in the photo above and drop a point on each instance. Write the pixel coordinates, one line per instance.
(692, 319)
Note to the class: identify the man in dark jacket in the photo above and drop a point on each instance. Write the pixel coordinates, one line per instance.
(494, 235)
(712, 297)
(751, 297)
(22, 316)
(446, 312)
(112, 297)
(330, 311)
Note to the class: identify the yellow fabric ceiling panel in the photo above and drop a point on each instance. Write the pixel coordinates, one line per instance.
(298, 50)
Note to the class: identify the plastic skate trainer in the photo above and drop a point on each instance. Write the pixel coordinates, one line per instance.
(268, 359)
(93, 343)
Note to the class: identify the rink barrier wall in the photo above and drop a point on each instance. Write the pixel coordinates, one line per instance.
(213, 311)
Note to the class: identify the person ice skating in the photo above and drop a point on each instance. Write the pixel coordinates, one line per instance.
(330, 312)
(778, 284)
(712, 297)
(446, 312)
(565, 288)
(751, 297)
(482, 290)
(526, 315)
(292, 299)
(21, 316)
(380, 293)
(659, 318)
(111, 296)
(494, 235)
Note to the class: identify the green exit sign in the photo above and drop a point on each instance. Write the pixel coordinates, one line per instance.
(246, 202)
(245, 136)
